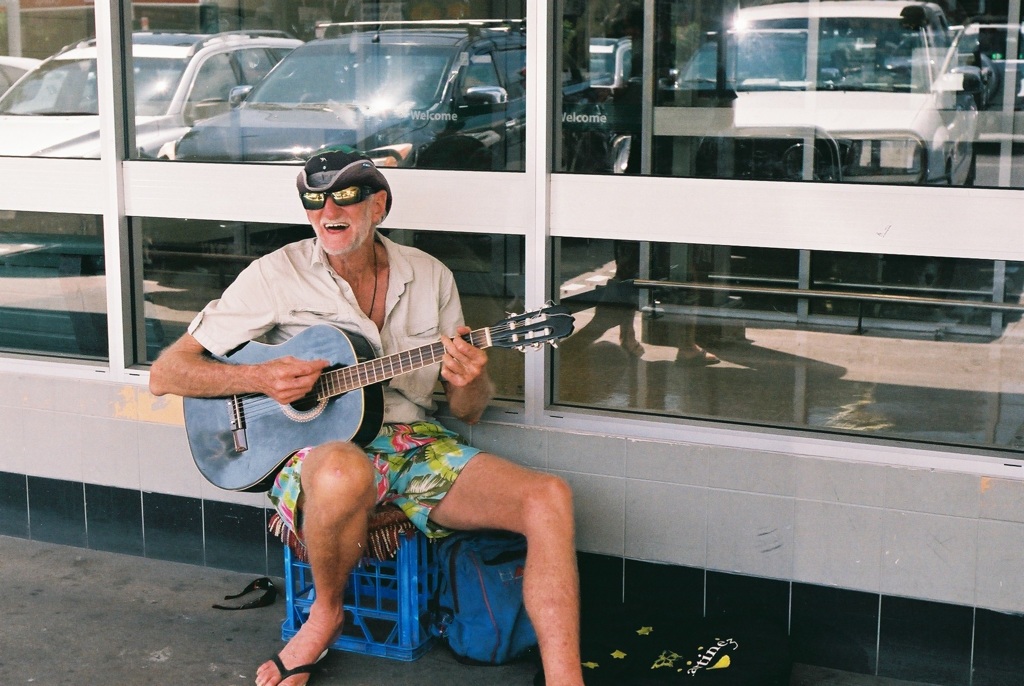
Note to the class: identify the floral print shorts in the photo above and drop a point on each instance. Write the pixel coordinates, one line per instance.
(416, 464)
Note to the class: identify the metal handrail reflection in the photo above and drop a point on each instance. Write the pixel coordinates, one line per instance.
(829, 294)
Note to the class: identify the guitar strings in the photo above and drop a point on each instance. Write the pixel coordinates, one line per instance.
(255, 405)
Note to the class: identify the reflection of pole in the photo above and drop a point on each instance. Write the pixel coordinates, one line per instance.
(811, 78)
(1009, 95)
(647, 80)
(721, 55)
(557, 147)
(998, 291)
(14, 28)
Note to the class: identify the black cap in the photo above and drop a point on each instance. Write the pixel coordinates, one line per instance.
(332, 169)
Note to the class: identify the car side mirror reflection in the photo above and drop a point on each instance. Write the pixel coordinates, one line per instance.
(960, 79)
(237, 94)
(485, 95)
(913, 17)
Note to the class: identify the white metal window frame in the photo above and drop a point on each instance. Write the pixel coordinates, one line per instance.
(949, 222)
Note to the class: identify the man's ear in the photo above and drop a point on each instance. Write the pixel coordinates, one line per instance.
(380, 203)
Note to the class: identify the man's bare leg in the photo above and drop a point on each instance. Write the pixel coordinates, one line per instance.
(337, 496)
(492, 493)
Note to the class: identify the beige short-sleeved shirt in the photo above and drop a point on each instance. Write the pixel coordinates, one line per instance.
(292, 288)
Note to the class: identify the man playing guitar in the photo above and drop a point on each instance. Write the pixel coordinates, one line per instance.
(395, 297)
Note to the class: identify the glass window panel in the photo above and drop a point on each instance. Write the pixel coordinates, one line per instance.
(178, 79)
(910, 347)
(599, 104)
(52, 291)
(187, 263)
(446, 96)
(31, 31)
(400, 101)
(815, 91)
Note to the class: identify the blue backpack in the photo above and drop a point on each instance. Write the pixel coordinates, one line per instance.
(480, 612)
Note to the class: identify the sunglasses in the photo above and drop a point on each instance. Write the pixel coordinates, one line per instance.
(315, 200)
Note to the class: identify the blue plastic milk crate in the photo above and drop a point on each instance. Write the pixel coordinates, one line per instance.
(386, 601)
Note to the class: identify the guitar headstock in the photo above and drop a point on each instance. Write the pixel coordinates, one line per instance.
(546, 325)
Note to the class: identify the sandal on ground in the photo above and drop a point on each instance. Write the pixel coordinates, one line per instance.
(286, 674)
(701, 359)
(632, 346)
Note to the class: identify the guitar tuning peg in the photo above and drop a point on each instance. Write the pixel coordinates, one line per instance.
(554, 344)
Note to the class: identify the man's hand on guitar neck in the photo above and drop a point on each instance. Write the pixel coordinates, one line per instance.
(464, 377)
(462, 363)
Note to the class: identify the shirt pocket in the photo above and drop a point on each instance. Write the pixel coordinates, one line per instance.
(422, 330)
(313, 314)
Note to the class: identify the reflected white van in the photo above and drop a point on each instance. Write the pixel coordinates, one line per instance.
(865, 91)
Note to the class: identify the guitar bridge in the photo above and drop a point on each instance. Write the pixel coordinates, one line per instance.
(237, 413)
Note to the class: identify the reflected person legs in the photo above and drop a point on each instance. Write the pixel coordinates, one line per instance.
(690, 353)
(627, 266)
(695, 263)
(616, 304)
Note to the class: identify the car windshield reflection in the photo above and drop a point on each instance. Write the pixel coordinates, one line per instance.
(854, 54)
(155, 83)
(377, 78)
(55, 89)
(68, 88)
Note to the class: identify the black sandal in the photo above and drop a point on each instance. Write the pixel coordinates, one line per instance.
(309, 668)
(267, 598)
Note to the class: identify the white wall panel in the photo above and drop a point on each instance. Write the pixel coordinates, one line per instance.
(452, 201)
(42, 185)
(942, 222)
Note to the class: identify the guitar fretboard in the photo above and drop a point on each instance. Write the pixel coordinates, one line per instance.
(339, 381)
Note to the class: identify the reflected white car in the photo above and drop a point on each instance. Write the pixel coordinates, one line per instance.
(179, 79)
(867, 91)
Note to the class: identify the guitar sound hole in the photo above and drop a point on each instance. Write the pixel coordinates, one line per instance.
(305, 404)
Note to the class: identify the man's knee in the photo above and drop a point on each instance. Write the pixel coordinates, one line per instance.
(549, 494)
(340, 469)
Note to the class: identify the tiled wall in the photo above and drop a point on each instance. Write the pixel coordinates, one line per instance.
(869, 566)
(856, 631)
(866, 633)
(943, 536)
(156, 525)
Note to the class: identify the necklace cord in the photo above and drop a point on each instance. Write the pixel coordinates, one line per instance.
(373, 300)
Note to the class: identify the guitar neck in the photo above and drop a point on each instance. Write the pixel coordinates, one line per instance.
(339, 381)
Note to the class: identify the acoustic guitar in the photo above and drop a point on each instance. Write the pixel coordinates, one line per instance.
(240, 442)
